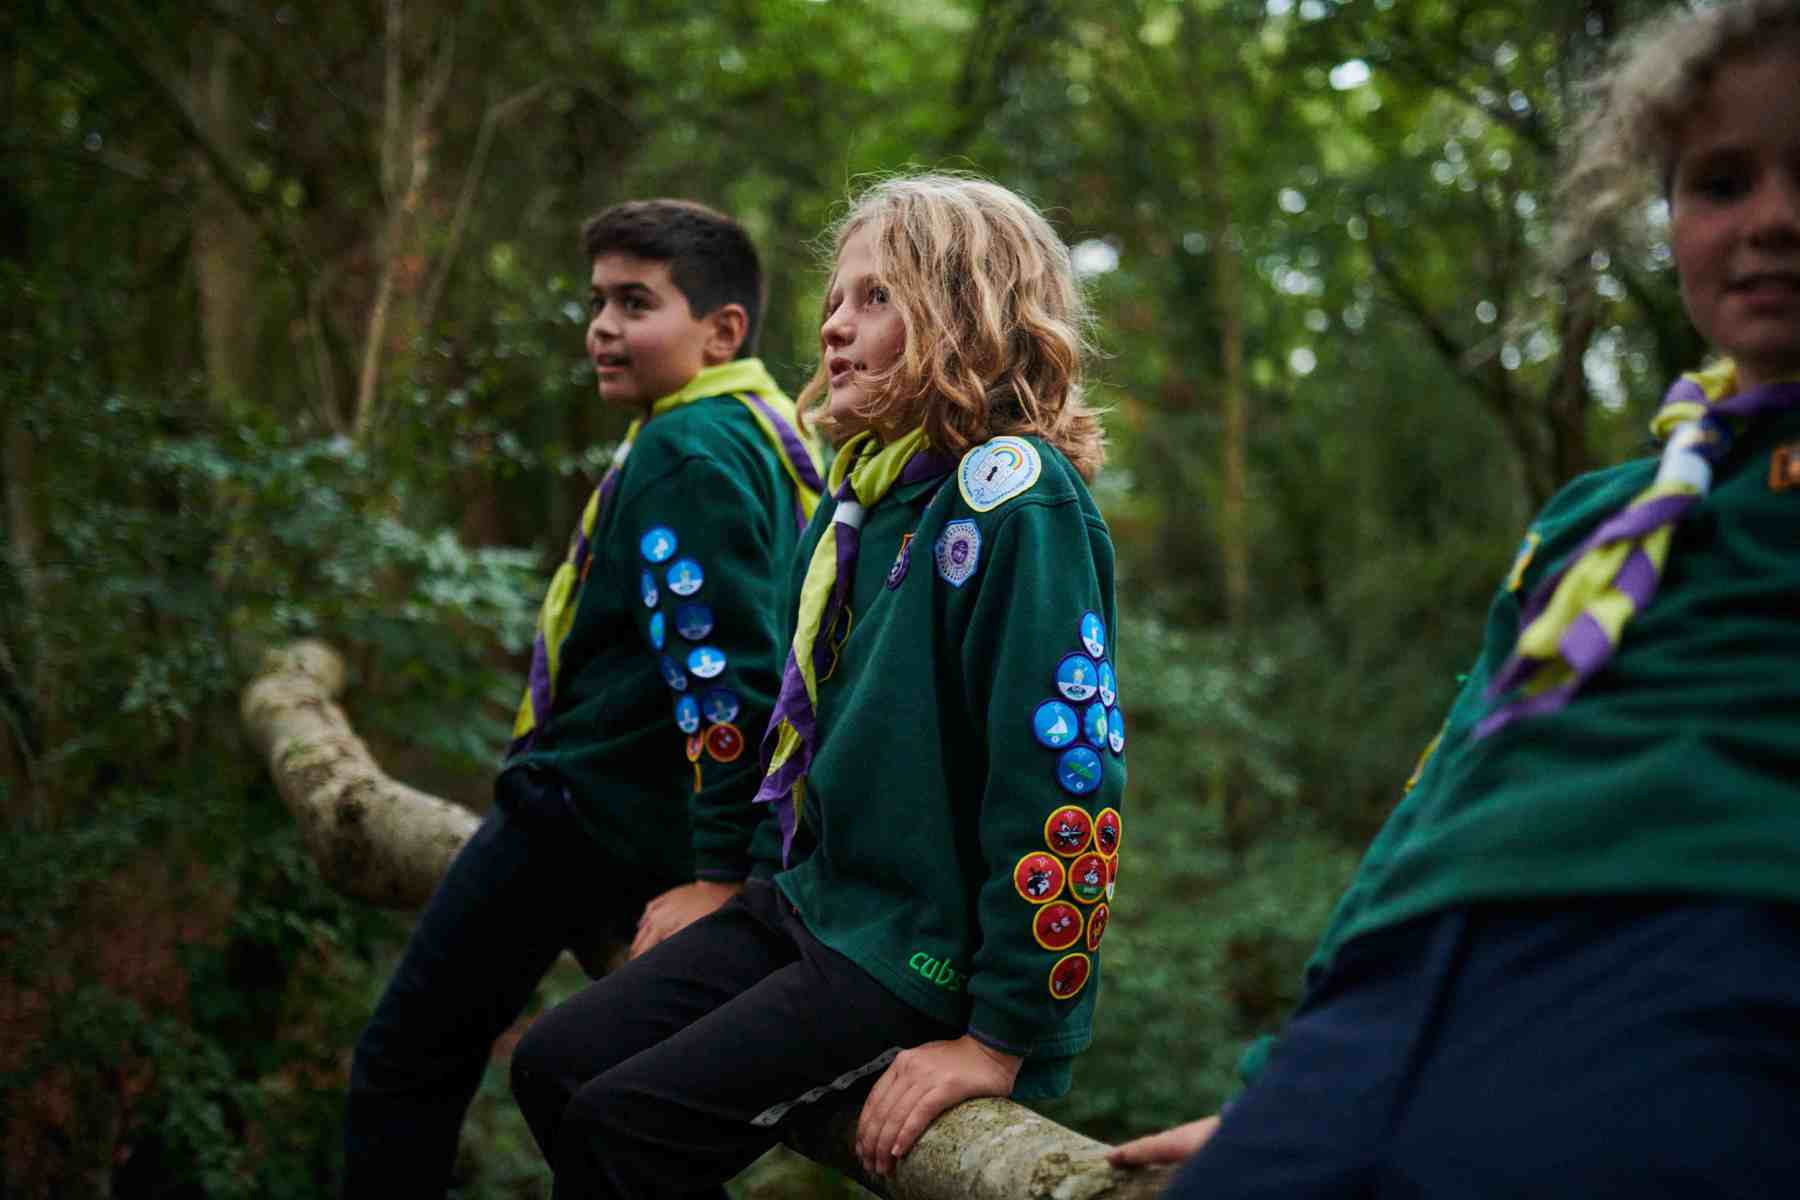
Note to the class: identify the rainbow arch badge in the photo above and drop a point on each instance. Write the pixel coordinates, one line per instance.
(996, 471)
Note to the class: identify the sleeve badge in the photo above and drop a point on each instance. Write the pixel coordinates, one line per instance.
(1096, 926)
(1056, 926)
(996, 471)
(1107, 830)
(724, 743)
(1078, 770)
(1093, 634)
(685, 577)
(1087, 878)
(957, 552)
(1054, 724)
(658, 544)
(1069, 830)
(1039, 877)
(1069, 976)
(693, 621)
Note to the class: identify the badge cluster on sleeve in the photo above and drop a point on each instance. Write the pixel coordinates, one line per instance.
(704, 711)
(1070, 883)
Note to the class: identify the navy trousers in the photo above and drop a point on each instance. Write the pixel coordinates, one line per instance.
(673, 1073)
(1587, 1047)
(530, 884)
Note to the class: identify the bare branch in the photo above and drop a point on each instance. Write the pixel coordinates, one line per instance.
(491, 121)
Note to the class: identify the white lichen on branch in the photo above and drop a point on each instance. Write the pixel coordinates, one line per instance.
(373, 837)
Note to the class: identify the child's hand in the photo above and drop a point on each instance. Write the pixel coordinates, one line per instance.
(918, 1086)
(678, 908)
(1169, 1146)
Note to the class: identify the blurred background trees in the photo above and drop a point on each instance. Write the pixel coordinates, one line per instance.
(292, 321)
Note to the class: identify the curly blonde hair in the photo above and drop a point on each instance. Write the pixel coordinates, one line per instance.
(996, 326)
(1624, 147)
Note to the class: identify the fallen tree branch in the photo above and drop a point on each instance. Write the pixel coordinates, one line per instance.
(374, 838)
(378, 840)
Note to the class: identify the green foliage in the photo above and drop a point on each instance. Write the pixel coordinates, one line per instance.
(200, 206)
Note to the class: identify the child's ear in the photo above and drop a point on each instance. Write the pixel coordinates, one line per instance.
(726, 326)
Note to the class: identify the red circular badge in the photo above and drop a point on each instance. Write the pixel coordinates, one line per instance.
(1069, 830)
(1057, 926)
(1069, 976)
(1087, 878)
(1107, 830)
(1039, 877)
(1096, 928)
(724, 743)
(694, 743)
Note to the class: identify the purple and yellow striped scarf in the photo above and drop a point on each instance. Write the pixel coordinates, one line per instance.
(1571, 625)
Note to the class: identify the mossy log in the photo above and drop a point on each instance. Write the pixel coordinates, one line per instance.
(386, 843)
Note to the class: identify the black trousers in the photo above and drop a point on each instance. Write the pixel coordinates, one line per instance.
(1593, 1047)
(671, 1075)
(529, 884)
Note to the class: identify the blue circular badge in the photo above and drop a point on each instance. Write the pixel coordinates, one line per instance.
(647, 589)
(706, 661)
(693, 621)
(657, 544)
(687, 714)
(1078, 770)
(1054, 724)
(672, 673)
(685, 577)
(720, 706)
(1094, 725)
(1093, 634)
(1077, 677)
(657, 635)
(1115, 731)
(1109, 685)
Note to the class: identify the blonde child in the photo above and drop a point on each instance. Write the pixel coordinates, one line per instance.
(1570, 963)
(945, 762)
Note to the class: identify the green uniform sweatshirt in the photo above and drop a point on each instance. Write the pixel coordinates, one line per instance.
(1674, 771)
(674, 659)
(962, 818)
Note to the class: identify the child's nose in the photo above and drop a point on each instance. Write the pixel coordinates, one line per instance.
(836, 331)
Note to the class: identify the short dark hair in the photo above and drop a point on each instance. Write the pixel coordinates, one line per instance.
(711, 258)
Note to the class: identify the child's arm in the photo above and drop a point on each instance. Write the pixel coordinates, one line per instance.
(712, 628)
(1170, 1146)
(1040, 674)
(1045, 584)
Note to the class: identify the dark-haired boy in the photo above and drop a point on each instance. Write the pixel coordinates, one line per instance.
(627, 786)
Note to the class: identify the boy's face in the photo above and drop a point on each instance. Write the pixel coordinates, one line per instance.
(642, 339)
(862, 332)
(1735, 217)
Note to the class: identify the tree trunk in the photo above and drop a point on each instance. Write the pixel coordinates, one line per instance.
(381, 841)
(225, 242)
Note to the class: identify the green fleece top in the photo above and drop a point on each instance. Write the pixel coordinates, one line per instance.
(962, 813)
(1674, 771)
(673, 662)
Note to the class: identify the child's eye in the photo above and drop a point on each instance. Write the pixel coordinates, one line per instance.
(636, 304)
(1718, 185)
(878, 295)
(595, 304)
